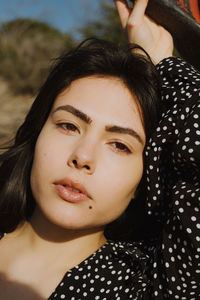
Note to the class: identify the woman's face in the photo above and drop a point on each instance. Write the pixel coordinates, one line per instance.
(88, 158)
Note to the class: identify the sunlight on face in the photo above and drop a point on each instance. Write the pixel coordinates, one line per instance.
(88, 157)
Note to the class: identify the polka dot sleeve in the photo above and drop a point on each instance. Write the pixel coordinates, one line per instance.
(173, 183)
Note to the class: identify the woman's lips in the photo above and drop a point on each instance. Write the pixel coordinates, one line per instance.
(71, 192)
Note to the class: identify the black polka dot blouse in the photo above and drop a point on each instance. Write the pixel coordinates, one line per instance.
(169, 266)
(115, 271)
(173, 186)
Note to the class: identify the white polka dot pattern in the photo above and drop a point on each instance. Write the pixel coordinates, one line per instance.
(115, 271)
(173, 185)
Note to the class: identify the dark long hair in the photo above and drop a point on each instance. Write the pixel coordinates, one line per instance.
(92, 57)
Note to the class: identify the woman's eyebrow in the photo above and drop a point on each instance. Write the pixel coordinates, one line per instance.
(110, 128)
(125, 130)
(76, 112)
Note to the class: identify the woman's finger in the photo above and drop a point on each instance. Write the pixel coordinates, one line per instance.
(138, 12)
(123, 11)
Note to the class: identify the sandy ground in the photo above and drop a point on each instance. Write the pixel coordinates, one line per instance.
(12, 112)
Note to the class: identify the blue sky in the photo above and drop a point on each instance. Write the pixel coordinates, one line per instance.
(66, 15)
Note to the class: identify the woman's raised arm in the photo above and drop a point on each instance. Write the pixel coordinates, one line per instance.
(143, 31)
(173, 164)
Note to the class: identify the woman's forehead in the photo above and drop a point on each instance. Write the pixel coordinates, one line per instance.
(98, 88)
(95, 89)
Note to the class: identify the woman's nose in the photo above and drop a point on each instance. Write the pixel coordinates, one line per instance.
(83, 158)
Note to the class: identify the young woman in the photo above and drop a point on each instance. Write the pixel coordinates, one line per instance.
(173, 172)
(77, 163)
(74, 168)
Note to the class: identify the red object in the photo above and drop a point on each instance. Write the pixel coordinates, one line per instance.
(191, 7)
(182, 19)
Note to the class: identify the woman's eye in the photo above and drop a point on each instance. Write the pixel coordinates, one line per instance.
(67, 127)
(121, 147)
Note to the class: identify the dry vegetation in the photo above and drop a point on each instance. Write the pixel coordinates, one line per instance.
(12, 111)
(26, 50)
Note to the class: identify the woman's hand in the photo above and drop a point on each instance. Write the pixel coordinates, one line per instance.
(143, 31)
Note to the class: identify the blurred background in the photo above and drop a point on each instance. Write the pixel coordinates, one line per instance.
(32, 34)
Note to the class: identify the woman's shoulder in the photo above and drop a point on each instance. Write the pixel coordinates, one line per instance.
(117, 269)
(123, 249)
(122, 255)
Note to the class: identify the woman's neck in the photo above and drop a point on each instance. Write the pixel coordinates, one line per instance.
(49, 242)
